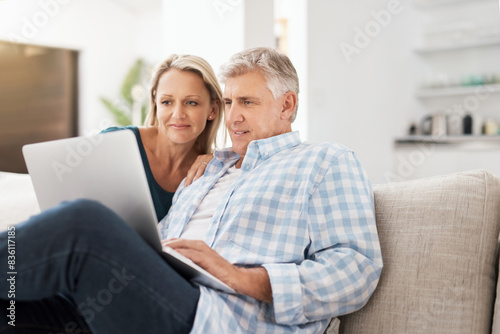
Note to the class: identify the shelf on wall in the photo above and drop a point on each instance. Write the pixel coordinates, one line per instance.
(434, 3)
(470, 140)
(457, 91)
(458, 46)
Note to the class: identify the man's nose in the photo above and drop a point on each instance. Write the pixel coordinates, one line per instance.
(233, 114)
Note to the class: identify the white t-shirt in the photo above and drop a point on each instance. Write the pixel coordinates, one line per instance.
(197, 227)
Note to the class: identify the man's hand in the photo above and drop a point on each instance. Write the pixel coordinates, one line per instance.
(198, 168)
(253, 282)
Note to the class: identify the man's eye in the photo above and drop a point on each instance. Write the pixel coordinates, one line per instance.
(247, 102)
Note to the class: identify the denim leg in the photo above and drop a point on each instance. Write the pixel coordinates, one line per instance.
(54, 315)
(85, 252)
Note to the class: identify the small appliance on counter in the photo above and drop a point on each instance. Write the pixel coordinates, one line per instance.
(435, 125)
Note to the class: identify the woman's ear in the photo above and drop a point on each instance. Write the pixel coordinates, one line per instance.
(289, 105)
(213, 110)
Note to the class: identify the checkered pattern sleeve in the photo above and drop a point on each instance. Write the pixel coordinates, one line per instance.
(343, 260)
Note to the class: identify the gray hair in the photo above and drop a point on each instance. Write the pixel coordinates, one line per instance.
(280, 74)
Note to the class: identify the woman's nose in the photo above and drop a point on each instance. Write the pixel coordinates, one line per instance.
(179, 111)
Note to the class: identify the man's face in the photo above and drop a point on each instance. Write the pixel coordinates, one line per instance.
(252, 112)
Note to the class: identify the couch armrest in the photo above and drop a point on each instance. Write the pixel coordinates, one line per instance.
(17, 199)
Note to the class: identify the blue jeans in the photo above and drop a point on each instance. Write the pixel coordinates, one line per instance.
(79, 265)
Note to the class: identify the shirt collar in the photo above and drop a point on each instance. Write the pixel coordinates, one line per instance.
(270, 146)
(267, 147)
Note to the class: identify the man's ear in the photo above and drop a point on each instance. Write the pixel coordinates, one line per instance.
(289, 105)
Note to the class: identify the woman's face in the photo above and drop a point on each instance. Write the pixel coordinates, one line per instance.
(183, 106)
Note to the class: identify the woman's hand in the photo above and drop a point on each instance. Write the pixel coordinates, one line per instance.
(198, 168)
(253, 282)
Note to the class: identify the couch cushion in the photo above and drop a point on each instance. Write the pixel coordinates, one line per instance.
(439, 240)
(17, 199)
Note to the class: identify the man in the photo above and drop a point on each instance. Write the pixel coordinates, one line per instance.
(290, 226)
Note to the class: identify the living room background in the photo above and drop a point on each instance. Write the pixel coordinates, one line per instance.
(356, 61)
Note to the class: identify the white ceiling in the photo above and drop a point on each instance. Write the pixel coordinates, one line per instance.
(138, 6)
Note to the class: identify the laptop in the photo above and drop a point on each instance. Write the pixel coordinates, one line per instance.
(106, 167)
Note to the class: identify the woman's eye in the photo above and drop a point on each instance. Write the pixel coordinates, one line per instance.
(166, 103)
(192, 103)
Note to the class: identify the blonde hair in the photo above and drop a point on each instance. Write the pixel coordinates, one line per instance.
(206, 141)
(280, 74)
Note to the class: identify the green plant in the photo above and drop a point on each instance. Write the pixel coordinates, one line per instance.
(123, 108)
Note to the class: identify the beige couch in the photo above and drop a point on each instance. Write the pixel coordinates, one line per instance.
(439, 239)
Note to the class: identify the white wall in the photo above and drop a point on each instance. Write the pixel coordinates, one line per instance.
(360, 97)
(105, 33)
(457, 64)
(362, 72)
(216, 29)
(148, 30)
(295, 12)
(210, 29)
(259, 24)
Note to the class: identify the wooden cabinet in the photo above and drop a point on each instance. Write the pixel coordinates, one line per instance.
(38, 99)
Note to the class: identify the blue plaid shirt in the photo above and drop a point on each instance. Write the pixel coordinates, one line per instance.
(302, 211)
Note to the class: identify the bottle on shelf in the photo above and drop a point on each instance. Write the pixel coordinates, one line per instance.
(467, 124)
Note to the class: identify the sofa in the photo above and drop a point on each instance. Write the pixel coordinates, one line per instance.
(439, 241)
(440, 244)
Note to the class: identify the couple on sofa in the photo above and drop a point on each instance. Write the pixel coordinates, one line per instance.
(290, 226)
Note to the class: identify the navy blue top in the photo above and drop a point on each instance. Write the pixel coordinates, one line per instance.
(162, 199)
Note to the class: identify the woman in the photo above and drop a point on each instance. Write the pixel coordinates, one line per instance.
(74, 245)
(182, 124)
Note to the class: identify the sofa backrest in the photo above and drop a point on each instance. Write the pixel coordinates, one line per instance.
(439, 240)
